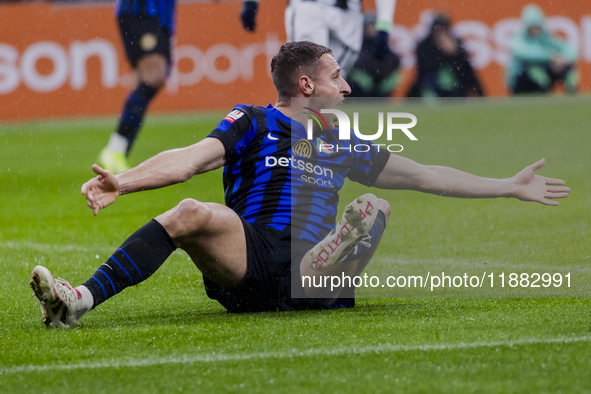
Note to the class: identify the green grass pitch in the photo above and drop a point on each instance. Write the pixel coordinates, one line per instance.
(166, 336)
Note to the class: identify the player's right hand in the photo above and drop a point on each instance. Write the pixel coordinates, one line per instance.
(248, 15)
(100, 191)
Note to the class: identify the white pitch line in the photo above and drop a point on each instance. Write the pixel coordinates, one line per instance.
(337, 351)
(391, 261)
(94, 250)
(41, 247)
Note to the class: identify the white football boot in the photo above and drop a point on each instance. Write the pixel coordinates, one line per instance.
(60, 303)
(357, 220)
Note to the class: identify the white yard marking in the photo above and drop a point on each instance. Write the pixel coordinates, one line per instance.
(337, 351)
(41, 247)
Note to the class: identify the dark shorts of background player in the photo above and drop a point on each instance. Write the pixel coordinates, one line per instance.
(142, 35)
(267, 284)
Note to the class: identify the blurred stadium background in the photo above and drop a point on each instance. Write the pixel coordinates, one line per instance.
(65, 59)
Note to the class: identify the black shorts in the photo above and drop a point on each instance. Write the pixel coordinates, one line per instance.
(143, 35)
(267, 283)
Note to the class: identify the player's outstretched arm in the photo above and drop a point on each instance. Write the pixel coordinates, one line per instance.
(166, 168)
(403, 173)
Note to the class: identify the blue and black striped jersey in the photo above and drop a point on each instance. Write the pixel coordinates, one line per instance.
(164, 10)
(276, 176)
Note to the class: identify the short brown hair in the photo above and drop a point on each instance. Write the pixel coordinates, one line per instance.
(293, 60)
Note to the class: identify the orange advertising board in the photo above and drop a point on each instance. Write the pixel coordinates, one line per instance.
(58, 61)
(486, 28)
(61, 61)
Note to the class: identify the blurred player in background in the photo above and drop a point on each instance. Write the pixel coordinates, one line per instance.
(146, 28)
(375, 73)
(539, 60)
(335, 24)
(443, 66)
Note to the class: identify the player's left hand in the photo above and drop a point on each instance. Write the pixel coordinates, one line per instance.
(248, 15)
(532, 187)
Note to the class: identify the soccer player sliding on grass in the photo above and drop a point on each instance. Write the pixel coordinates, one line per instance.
(281, 205)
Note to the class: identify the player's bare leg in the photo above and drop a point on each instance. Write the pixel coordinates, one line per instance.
(212, 235)
(330, 258)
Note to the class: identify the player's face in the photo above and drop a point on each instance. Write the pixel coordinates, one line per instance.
(329, 82)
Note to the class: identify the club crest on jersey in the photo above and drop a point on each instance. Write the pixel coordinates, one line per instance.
(302, 148)
(148, 41)
(234, 116)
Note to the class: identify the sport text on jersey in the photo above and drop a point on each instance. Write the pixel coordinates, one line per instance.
(312, 173)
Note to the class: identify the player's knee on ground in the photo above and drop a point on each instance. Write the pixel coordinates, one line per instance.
(186, 220)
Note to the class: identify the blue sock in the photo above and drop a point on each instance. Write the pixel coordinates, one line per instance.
(135, 261)
(133, 112)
